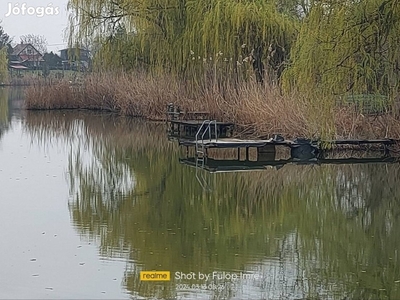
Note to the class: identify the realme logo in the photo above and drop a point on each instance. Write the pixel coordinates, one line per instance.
(155, 276)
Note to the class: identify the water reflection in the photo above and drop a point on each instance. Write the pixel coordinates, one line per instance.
(11, 100)
(306, 231)
(4, 111)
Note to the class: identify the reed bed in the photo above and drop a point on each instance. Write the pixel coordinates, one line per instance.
(259, 110)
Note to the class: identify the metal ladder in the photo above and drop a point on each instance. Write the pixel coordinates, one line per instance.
(206, 127)
(201, 152)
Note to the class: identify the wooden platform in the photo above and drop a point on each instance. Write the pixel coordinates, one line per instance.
(198, 122)
(223, 166)
(205, 134)
(188, 128)
(363, 142)
(235, 143)
(244, 143)
(300, 149)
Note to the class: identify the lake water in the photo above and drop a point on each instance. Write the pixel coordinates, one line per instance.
(89, 200)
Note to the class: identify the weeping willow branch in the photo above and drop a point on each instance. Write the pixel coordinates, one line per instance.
(3, 65)
(362, 56)
(182, 35)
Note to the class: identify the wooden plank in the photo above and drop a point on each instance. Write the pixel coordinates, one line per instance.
(235, 143)
(221, 165)
(199, 122)
(359, 142)
(242, 143)
(266, 153)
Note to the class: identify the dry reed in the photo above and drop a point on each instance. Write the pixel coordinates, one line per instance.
(258, 110)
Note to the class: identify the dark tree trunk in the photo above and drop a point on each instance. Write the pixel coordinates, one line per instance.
(258, 65)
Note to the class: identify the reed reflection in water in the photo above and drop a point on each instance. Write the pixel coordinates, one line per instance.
(307, 231)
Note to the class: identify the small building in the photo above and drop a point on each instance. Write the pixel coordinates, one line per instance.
(26, 55)
(75, 58)
(16, 67)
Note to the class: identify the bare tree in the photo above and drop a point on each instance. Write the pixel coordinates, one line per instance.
(5, 39)
(37, 41)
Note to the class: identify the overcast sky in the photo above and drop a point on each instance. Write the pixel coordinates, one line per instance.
(40, 17)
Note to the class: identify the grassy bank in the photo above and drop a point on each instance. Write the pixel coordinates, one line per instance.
(259, 110)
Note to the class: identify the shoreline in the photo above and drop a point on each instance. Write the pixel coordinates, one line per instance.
(258, 110)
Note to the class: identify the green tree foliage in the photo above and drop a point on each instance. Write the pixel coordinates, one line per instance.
(181, 35)
(5, 41)
(348, 47)
(53, 61)
(326, 51)
(3, 65)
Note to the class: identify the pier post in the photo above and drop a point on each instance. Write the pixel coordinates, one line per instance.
(266, 153)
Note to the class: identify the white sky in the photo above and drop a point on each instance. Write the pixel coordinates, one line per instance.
(51, 26)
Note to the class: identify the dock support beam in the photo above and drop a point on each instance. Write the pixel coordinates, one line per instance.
(266, 153)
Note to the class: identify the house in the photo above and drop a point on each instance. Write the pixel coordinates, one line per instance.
(53, 61)
(25, 56)
(75, 57)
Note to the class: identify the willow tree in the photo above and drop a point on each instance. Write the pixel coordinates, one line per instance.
(3, 65)
(244, 32)
(185, 36)
(347, 47)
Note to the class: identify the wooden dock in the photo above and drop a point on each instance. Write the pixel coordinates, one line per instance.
(189, 128)
(225, 166)
(243, 143)
(299, 149)
(235, 143)
(386, 142)
(185, 125)
(206, 134)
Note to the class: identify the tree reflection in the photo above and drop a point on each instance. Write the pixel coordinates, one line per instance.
(4, 111)
(317, 232)
(11, 102)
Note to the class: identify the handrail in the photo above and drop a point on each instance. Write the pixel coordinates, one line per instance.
(207, 123)
(199, 130)
(200, 154)
(208, 129)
